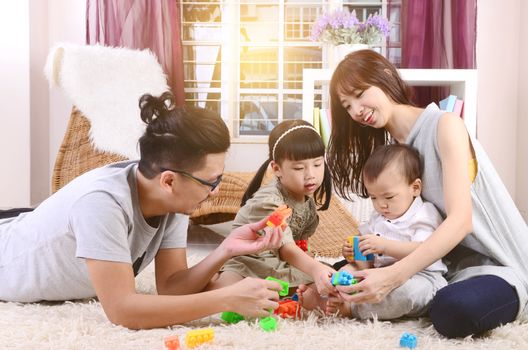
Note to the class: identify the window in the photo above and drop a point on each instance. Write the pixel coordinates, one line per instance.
(244, 59)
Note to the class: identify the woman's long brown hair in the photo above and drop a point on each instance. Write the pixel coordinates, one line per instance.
(351, 143)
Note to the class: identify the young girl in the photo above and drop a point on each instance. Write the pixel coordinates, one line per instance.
(482, 231)
(302, 182)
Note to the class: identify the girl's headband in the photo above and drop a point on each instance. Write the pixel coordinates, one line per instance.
(287, 132)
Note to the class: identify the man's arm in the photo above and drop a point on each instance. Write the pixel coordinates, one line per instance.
(173, 276)
(114, 285)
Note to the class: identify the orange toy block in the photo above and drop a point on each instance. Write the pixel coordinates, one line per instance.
(279, 216)
(199, 337)
(172, 342)
(288, 309)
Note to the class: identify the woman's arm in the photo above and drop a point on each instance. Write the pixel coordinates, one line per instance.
(455, 153)
(114, 285)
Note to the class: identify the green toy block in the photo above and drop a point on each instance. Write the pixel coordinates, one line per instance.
(268, 324)
(285, 286)
(231, 317)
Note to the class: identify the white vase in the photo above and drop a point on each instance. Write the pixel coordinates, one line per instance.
(340, 51)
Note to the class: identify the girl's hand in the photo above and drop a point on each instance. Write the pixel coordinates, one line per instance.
(374, 285)
(245, 239)
(348, 251)
(322, 277)
(372, 244)
(252, 297)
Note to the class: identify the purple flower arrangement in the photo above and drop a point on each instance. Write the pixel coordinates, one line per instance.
(343, 27)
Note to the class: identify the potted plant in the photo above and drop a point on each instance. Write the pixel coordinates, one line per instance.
(342, 29)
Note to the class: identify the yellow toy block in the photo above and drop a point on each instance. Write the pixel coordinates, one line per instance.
(198, 337)
(350, 240)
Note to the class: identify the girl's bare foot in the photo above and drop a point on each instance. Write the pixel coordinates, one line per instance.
(310, 299)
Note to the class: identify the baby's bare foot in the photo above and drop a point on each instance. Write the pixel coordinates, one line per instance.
(310, 299)
(333, 305)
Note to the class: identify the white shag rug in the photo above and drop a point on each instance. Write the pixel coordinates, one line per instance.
(83, 325)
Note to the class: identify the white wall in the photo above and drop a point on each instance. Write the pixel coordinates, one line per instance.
(498, 63)
(15, 101)
(522, 116)
(501, 88)
(39, 102)
(67, 21)
(34, 118)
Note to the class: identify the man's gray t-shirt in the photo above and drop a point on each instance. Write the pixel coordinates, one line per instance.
(96, 216)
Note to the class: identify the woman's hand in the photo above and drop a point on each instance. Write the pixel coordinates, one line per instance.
(374, 286)
(245, 239)
(252, 297)
(372, 244)
(322, 277)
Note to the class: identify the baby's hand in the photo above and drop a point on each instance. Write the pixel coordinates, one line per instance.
(348, 250)
(372, 244)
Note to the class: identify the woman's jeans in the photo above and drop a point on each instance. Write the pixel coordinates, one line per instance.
(473, 306)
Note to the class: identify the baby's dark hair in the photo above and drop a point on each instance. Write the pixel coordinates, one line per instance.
(178, 137)
(299, 144)
(404, 156)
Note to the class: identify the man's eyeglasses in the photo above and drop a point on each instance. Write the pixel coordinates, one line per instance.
(213, 184)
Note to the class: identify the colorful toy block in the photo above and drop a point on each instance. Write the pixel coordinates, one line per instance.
(285, 286)
(350, 240)
(231, 317)
(279, 216)
(295, 297)
(288, 309)
(408, 340)
(343, 278)
(172, 342)
(198, 337)
(357, 253)
(303, 244)
(268, 324)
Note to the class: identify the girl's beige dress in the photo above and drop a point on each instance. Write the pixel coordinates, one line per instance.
(301, 225)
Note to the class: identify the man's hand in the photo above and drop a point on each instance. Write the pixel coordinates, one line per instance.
(245, 239)
(253, 297)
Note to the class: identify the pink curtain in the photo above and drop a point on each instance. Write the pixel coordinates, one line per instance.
(141, 24)
(437, 34)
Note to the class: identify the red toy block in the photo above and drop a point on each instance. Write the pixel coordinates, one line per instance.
(288, 309)
(303, 244)
(279, 216)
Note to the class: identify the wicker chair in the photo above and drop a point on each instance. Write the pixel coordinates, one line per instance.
(77, 155)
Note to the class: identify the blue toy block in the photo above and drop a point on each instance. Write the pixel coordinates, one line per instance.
(343, 278)
(408, 340)
(295, 297)
(357, 253)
